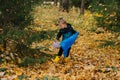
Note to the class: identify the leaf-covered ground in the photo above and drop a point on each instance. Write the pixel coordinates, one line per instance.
(94, 56)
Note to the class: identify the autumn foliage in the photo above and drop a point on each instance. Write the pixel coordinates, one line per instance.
(94, 56)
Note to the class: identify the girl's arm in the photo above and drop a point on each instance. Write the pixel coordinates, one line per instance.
(58, 35)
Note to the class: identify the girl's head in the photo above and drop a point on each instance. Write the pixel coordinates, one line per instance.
(62, 23)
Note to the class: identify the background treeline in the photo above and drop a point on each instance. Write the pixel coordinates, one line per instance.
(15, 15)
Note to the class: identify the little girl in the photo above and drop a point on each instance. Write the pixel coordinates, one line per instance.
(65, 31)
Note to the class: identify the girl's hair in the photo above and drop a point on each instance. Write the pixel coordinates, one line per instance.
(62, 21)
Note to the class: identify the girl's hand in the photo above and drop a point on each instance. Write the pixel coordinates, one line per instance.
(56, 44)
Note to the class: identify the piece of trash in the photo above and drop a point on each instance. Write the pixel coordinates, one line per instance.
(56, 45)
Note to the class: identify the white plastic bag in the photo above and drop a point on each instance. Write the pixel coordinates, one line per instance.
(56, 44)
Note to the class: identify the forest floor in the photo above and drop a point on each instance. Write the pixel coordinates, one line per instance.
(94, 56)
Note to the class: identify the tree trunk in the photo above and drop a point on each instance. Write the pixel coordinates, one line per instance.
(65, 5)
(82, 7)
(60, 5)
(55, 2)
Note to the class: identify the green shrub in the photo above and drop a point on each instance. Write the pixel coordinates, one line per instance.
(107, 13)
(15, 15)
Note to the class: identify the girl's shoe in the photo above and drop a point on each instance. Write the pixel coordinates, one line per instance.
(66, 60)
(57, 59)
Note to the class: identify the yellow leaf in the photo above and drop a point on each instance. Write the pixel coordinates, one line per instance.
(19, 60)
(18, 71)
(15, 79)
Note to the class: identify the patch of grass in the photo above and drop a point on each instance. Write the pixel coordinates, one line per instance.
(42, 57)
(31, 61)
(2, 69)
(41, 35)
(22, 77)
(106, 44)
(50, 78)
(93, 29)
(1, 60)
(115, 29)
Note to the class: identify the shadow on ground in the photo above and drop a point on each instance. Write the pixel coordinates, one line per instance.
(37, 58)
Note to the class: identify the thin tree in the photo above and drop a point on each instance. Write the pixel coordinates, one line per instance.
(55, 2)
(65, 5)
(60, 5)
(82, 7)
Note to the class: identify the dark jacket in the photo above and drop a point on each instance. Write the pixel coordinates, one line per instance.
(66, 32)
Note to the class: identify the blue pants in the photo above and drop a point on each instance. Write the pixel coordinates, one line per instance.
(67, 43)
(61, 52)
